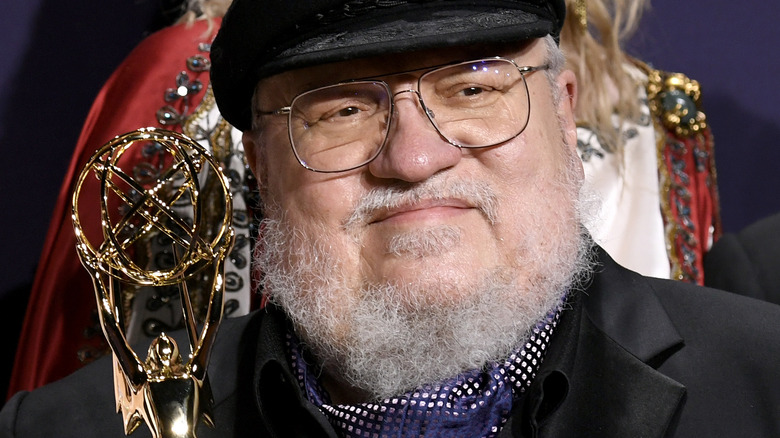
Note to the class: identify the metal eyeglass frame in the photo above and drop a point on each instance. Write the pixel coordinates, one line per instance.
(287, 110)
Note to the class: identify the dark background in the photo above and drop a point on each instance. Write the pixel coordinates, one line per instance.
(56, 56)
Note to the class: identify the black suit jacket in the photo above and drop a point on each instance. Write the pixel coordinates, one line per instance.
(747, 262)
(632, 357)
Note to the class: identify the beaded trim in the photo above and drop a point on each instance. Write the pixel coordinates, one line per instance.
(682, 130)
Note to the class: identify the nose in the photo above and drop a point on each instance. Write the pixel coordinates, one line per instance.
(414, 150)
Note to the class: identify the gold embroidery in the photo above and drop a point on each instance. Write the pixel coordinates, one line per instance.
(676, 99)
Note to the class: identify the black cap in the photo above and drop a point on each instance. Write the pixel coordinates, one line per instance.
(260, 38)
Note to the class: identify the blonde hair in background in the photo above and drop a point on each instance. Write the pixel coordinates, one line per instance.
(592, 39)
(204, 9)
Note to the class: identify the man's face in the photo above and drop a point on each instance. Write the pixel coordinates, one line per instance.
(433, 221)
(523, 174)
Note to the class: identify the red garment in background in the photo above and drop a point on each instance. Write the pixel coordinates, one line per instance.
(60, 321)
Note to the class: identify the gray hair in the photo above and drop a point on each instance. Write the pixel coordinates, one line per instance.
(556, 60)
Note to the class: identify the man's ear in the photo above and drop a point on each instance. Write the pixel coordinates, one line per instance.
(567, 87)
(255, 158)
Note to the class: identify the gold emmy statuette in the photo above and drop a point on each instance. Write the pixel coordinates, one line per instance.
(167, 391)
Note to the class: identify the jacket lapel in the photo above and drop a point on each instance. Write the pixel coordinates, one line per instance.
(598, 378)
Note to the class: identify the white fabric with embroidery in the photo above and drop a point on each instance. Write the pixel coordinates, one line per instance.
(629, 225)
(154, 311)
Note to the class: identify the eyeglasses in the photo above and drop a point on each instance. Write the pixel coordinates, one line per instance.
(471, 104)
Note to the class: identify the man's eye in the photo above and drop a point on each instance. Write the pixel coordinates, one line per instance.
(472, 91)
(348, 111)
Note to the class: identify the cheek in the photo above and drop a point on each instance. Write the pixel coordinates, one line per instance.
(315, 203)
(532, 173)
(326, 204)
(528, 163)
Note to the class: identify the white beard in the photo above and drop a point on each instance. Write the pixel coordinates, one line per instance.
(386, 339)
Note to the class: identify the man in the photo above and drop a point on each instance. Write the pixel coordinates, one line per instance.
(423, 249)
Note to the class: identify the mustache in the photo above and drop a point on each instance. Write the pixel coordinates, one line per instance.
(477, 194)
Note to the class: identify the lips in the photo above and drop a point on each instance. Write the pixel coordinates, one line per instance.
(420, 210)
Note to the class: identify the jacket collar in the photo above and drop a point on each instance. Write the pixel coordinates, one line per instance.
(599, 377)
(623, 306)
(278, 395)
